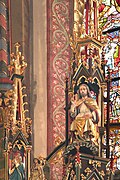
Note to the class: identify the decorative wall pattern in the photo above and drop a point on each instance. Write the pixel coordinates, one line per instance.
(56, 165)
(5, 82)
(3, 32)
(58, 64)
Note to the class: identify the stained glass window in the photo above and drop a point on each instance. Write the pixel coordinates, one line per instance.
(115, 106)
(110, 25)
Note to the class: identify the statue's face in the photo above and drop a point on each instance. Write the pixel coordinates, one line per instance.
(83, 90)
(35, 161)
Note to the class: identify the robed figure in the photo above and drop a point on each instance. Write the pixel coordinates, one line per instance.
(17, 171)
(86, 115)
(37, 172)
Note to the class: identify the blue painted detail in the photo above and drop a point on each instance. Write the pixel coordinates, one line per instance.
(2, 9)
(5, 86)
(3, 44)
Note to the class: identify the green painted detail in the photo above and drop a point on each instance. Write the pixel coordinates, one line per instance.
(3, 67)
(1, 133)
(2, 163)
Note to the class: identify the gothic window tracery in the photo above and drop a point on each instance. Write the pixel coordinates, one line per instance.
(110, 25)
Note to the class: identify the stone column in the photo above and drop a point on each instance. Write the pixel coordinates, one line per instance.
(39, 83)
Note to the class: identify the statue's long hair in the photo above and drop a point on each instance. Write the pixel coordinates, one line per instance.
(88, 91)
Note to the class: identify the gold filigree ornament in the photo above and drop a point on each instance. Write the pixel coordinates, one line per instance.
(95, 163)
(87, 171)
(102, 173)
(17, 63)
(83, 177)
(73, 43)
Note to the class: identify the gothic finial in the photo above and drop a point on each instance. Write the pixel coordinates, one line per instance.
(17, 45)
